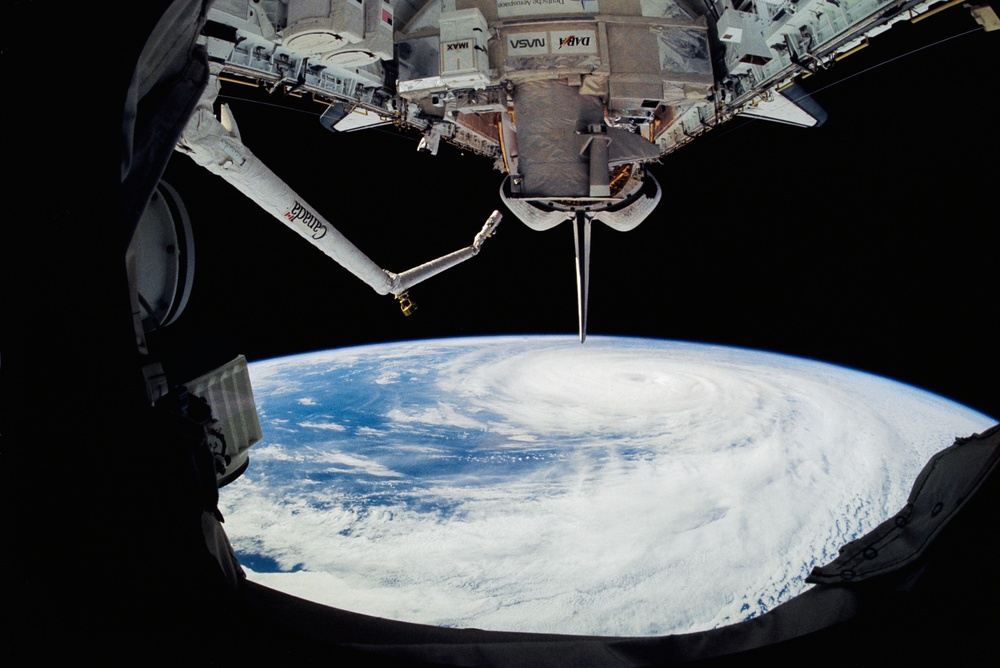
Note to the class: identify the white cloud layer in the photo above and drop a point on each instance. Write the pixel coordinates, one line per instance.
(623, 487)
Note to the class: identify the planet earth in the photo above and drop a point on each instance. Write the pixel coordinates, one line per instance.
(623, 487)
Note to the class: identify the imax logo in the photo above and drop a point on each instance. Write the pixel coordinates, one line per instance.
(535, 43)
(457, 46)
(573, 40)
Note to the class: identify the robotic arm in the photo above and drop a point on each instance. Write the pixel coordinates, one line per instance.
(215, 144)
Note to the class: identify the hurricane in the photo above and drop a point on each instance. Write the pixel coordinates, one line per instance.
(624, 487)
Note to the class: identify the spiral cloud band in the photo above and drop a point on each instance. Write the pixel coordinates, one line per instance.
(622, 487)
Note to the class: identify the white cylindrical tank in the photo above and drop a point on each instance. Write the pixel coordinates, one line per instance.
(321, 26)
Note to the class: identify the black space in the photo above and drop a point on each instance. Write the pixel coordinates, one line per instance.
(864, 242)
(869, 242)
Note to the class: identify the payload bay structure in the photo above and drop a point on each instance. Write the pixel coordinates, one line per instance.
(571, 99)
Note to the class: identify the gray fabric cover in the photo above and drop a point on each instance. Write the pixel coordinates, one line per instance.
(549, 114)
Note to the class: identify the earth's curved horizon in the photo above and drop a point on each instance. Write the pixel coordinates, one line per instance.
(624, 487)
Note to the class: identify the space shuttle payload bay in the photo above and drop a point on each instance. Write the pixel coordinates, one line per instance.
(571, 100)
(97, 470)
